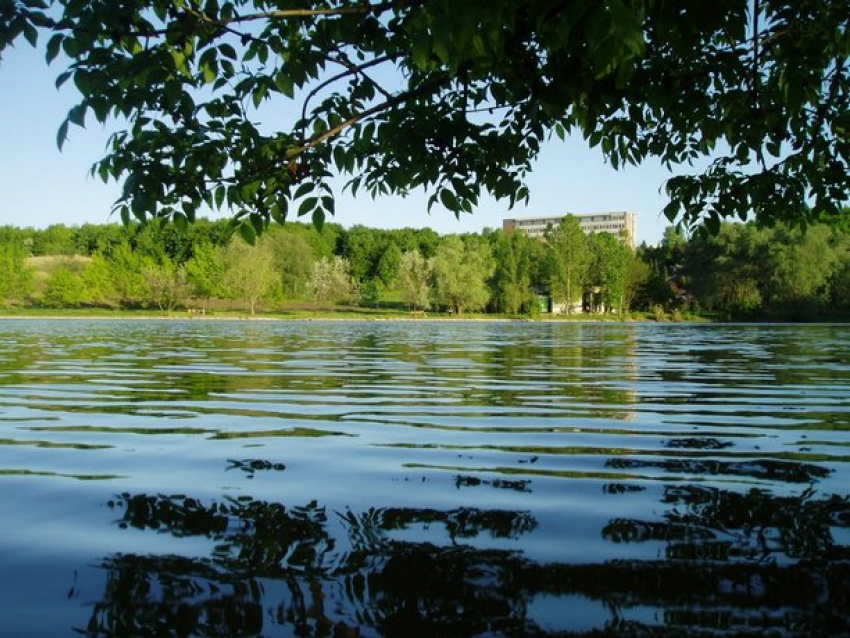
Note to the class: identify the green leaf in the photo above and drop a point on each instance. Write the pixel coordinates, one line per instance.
(259, 95)
(279, 210)
(62, 134)
(30, 33)
(449, 200)
(671, 211)
(421, 52)
(560, 131)
(250, 189)
(258, 222)
(301, 191)
(354, 184)
(53, 47)
(441, 47)
(179, 58)
(101, 109)
(431, 201)
(319, 219)
(794, 94)
(227, 51)
(284, 83)
(523, 194)
(307, 205)
(77, 115)
(62, 78)
(774, 148)
(246, 230)
(209, 72)
(368, 131)
(339, 157)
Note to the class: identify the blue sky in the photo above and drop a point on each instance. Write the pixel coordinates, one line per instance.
(39, 185)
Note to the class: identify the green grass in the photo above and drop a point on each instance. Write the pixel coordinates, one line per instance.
(298, 312)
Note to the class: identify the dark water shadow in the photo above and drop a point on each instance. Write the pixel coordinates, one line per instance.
(740, 563)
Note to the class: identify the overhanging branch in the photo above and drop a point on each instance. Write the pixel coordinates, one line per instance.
(209, 21)
(310, 13)
(401, 98)
(350, 70)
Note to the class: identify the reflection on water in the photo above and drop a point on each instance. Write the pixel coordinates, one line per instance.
(341, 479)
(274, 565)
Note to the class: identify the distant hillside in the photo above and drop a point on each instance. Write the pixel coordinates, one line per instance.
(44, 266)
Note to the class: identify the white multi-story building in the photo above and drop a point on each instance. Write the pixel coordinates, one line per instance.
(614, 223)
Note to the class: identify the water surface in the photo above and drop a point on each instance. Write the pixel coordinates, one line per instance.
(324, 478)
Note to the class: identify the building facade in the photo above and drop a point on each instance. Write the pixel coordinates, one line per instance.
(614, 223)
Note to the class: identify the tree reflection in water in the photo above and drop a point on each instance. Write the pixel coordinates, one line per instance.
(733, 562)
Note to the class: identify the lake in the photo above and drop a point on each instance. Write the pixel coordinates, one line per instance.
(414, 478)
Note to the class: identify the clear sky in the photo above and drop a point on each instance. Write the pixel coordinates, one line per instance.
(39, 185)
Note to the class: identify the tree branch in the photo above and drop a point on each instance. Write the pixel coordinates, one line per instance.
(308, 13)
(343, 60)
(200, 16)
(361, 9)
(756, 11)
(383, 106)
(351, 70)
(834, 87)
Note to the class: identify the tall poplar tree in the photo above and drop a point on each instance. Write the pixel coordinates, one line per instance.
(205, 271)
(569, 256)
(249, 272)
(609, 269)
(414, 278)
(512, 277)
(461, 271)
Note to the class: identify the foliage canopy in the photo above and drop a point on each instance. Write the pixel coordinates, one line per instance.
(453, 97)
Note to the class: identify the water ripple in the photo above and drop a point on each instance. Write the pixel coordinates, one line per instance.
(532, 465)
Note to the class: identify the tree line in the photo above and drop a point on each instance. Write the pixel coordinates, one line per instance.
(745, 270)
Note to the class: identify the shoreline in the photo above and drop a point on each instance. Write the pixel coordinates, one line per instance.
(366, 316)
(266, 319)
(329, 316)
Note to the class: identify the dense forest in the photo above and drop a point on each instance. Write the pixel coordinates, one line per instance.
(744, 271)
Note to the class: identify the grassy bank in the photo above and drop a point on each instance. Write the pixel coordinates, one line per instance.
(329, 314)
(301, 311)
